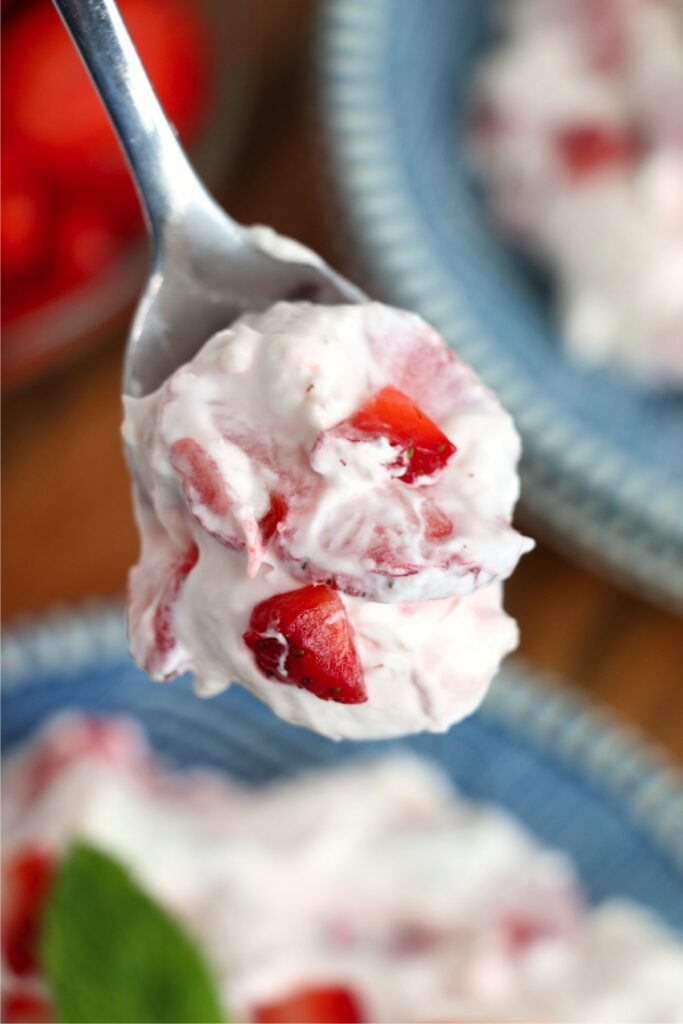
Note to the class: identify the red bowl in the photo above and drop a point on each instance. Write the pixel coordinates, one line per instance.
(50, 325)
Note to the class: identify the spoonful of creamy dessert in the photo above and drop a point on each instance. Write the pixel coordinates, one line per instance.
(323, 489)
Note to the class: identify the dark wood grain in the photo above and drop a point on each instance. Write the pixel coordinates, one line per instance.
(67, 527)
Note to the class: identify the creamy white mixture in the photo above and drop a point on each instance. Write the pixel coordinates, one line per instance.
(417, 566)
(578, 130)
(376, 877)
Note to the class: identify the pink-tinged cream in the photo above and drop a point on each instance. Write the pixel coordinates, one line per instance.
(578, 131)
(249, 483)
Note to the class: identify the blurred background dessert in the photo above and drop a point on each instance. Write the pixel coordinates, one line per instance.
(73, 246)
(577, 129)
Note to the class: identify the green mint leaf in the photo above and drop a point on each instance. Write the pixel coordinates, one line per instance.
(111, 954)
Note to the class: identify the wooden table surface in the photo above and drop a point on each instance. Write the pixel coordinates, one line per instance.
(67, 529)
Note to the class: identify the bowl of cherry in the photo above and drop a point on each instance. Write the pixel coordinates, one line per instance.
(74, 250)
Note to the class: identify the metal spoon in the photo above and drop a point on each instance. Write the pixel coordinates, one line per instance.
(206, 270)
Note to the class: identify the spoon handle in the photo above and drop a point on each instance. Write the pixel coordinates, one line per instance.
(164, 178)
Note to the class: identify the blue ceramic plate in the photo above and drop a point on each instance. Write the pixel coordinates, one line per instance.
(603, 466)
(565, 770)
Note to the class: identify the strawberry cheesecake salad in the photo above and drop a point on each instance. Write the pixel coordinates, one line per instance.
(368, 892)
(324, 497)
(577, 132)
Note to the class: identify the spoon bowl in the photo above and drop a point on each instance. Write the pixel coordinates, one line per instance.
(207, 271)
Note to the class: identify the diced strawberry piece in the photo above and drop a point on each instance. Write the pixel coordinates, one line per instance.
(603, 27)
(438, 526)
(275, 514)
(213, 508)
(376, 543)
(164, 631)
(202, 482)
(414, 359)
(589, 149)
(314, 1005)
(26, 879)
(207, 495)
(304, 637)
(414, 938)
(524, 930)
(423, 449)
(23, 1007)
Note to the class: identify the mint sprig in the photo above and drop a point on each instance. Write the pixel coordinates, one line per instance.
(111, 954)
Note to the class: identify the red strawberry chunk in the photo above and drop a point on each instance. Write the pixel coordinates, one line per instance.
(523, 930)
(321, 1005)
(212, 505)
(20, 1007)
(589, 149)
(603, 31)
(202, 483)
(438, 526)
(164, 631)
(304, 637)
(275, 514)
(422, 448)
(26, 880)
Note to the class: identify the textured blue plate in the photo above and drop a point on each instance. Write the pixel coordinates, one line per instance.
(576, 780)
(603, 464)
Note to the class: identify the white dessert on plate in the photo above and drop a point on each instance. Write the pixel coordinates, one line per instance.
(578, 133)
(324, 498)
(372, 889)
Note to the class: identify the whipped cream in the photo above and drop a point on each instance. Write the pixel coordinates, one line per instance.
(376, 877)
(578, 131)
(253, 480)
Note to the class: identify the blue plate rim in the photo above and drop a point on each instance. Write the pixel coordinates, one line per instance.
(571, 478)
(538, 707)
